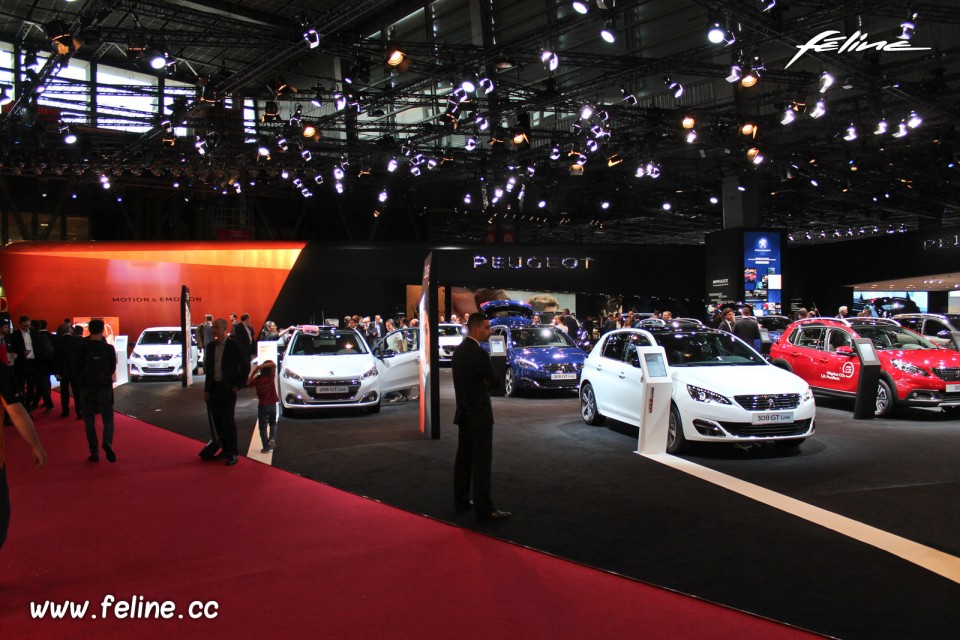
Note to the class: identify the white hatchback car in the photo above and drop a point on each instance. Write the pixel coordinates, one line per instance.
(329, 367)
(723, 390)
(451, 335)
(158, 353)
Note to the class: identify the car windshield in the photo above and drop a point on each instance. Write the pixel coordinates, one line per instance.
(448, 330)
(326, 343)
(706, 349)
(773, 323)
(890, 336)
(541, 338)
(161, 337)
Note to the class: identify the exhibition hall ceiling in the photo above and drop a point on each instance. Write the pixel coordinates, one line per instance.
(850, 128)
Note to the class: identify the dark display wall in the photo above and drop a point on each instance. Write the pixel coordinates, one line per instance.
(334, 280)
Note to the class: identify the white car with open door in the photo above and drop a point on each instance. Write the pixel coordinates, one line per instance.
(328, 367)
(398, 355)
(723, 390)
(451, 335)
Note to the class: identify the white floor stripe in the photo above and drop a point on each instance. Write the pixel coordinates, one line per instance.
(253, 451)
(936, 561)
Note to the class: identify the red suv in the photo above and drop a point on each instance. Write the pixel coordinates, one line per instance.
(915, 371)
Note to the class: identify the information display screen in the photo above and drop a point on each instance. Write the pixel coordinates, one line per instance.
(498, 346)
(656, 367)
(868, 353)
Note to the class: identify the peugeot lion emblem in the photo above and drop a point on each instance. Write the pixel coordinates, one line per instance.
(770, 403)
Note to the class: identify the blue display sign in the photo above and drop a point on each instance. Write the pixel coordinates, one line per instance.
(762, 285)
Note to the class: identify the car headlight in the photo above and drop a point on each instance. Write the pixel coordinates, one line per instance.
(704, 395)
(528, 364)
(291, 375)
(808, 394)
(371, 372)
(135, 355)
(906, 367)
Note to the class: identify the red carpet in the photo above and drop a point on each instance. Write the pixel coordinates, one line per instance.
(285, 557)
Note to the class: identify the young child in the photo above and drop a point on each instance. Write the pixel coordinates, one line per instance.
(264, 379)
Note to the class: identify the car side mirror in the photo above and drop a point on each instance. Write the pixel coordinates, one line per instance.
(943, 334)
(386, 353)
(846, 351)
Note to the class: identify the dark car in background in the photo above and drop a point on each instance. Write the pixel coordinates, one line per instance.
(937, 328)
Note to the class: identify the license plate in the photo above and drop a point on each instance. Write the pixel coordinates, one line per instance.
(773, 418)
(563, 376)
(331, 390)
(953, 388)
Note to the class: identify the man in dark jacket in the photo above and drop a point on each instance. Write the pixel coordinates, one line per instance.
(96, 364)
(69, 340)
(473, 377)
(227, 368)
(747, 328)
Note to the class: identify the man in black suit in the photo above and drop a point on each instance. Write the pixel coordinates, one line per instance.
(243, 334)
(473, 376)
(727, 323)
(226, 369)
(747, 328)
(26, 367)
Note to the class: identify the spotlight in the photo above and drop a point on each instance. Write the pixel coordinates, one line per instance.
(881, 127)
(628, 98)
(158, 60)
(469, 85)
(318, 179)
(826, 81)
(767, 5)
(312, 38)
(714, 200)
(789, 115)
(688, 122)
(581, 8)
(674, 87)
(542, 204)
(486, 85)
(735, 73)
(749, 129)
(69, 136)
(851, 133)
(550, 60)
(605, 204)
(470, 144)
(482, 123)
(691, 136)
(749, 78)
(415, 170)
(715, 34)
(754, 155)
(586, 112)
(263, 150)
(591, 145)
(339, 100)
(467, 199)
(317, 99)
(908, 26)
(901, 130)
(271, 112)
(818, 110)
(306, 155)
(666, 206)
(282, 144)
(555, 153)
(607, 33)
(914, 121)
(339, 187)
(200, 145)
(309, 130)
(398, 60)
(383, 196)
(652, 170)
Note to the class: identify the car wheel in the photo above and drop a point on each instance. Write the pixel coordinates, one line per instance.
(510, 383)
(374, 408)
(134, 378)
(284, 412)
(884, 399)
(676, 441)
(588, 406)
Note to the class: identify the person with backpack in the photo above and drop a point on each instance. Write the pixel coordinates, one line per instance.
(97, 365)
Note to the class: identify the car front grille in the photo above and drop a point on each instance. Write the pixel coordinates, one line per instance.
(562, 367)
(156, 369)
(769, 402)
(744, 430)
(952, 374)
(314, 389)
(157, 357)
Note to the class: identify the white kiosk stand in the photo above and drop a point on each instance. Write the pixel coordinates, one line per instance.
(120, 344)
(657, 388)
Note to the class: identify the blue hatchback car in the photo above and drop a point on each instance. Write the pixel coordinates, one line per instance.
(540, 358)
(510, 313)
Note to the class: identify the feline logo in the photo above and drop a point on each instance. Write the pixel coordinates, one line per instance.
(827, 41)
